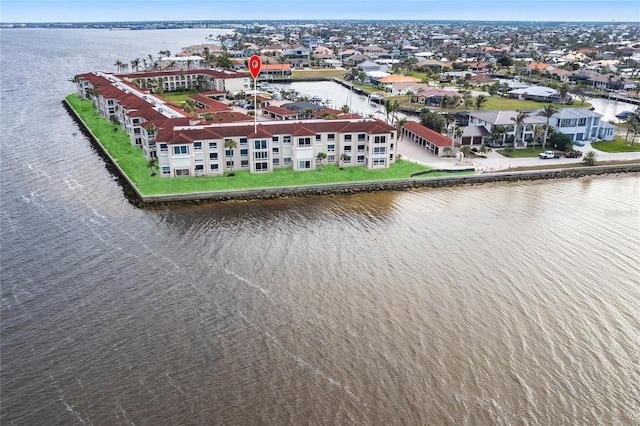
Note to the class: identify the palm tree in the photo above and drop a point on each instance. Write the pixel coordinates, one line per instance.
(497, 133)
(563, 91)
(548, 111)
(230, 144)
(135, 63)
(344, 157)
(391, 109)
(345, 109)
(589, 158)
(480, 101)
(519, 120)
(320, 157)
(118, 65)
(151, 165)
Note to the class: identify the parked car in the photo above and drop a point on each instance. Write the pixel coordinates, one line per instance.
(547, 154)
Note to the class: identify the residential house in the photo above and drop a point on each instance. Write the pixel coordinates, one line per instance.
(433, 97)
(492, 118)
(582, 124)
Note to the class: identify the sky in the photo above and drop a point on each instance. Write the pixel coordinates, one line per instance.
(41, 11)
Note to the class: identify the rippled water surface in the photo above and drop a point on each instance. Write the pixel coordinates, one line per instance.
(509, 304)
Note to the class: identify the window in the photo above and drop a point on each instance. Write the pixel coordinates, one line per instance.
(582, 122)
(391, 146)
(331, 148)
(243, 141)
(244, 163)
(228, 153)
(275, 151)
(163, 147)
(360, 158)
(262, 167)
(304, 164)
(379, 161)
(318, 137)
(179, 150)
(347, 138)
(214, 167)
(331, 158)
(304, 142)
(260, 155)
(213, 156)
(286, 139)
(197, 145)
(213, 145)
(379, 150)
(166, 170)
(362, 137)
(276, 161)
(260, 144)
(275, 139)
(380, 139)
(287, 161)
(360, 148)
(331, 136)
(199, 167)
(229, 163)
(347, 148)
(182, 172)
(244, 152)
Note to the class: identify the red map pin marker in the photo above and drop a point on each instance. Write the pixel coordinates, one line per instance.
(254, 65)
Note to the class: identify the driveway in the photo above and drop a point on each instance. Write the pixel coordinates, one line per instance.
(495, 162)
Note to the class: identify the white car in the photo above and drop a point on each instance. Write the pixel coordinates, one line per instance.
(547, 154)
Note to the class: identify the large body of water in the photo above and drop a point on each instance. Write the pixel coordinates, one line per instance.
(508, 304)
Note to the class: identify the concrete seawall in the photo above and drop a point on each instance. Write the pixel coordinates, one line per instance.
(136, 198)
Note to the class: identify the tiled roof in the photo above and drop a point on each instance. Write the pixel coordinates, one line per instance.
(428, 134)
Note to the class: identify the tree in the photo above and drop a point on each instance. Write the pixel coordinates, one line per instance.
(480, 101)
(151, 165)
(466, 150)
(344, 157)
(135, 64)
(118, 65)
(320, 157)
(230, 144)
(519, 120)
(563, 91)
(505, 60)
(633, 126)
(432, 120)
(446, 151)
(548, 111)
(589, 158)
(345, 109)
(391, 110)
(497, 133)
(561, 142)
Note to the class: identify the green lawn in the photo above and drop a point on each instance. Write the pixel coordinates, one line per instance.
(178, 97)
(521, 152)
(132, 162)
(617, 145)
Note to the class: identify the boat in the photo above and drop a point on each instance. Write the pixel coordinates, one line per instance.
(624, 115)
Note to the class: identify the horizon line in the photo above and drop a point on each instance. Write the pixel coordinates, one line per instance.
(314, 20)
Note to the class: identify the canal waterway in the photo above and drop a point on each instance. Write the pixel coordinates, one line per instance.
(501, 304)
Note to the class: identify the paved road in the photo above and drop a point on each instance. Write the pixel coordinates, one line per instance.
(494, 161)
